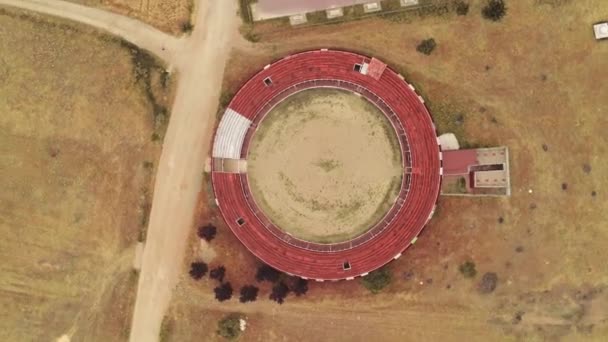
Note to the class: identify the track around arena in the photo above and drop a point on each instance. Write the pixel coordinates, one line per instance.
(421, 156)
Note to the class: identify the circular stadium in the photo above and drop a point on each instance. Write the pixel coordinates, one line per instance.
(326, 165)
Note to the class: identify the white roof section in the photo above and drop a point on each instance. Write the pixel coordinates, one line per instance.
(230, 135)
(601, 30)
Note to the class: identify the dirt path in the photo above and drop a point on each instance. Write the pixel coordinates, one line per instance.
(200, 60)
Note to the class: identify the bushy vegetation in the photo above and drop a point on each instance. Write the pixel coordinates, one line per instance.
(377, 280)
(207, 232)
(494, 10)
(426, 46)
(229, 327)
(468, 269)
(198, 269)
(249, 293)
(186, 26)
(223, 292)
(462, 8)
(279, 292)
(488, 283)
(218, 273)
(267, 273)
(299, 286)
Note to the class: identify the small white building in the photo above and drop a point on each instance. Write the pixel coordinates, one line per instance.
(601, 30)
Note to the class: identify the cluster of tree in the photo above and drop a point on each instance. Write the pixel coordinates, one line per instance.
(249, 293)
(207, 232)
(282, 283)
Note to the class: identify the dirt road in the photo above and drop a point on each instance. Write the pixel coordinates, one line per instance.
(199, 59)
(179, 177)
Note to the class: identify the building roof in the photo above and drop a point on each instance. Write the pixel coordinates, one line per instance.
(601, 30)
(376, 68)
(490, 179)
(457, 162)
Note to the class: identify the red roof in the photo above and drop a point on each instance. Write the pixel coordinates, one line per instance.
(457, 162)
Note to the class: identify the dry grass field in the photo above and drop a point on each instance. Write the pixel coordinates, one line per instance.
(533, 82)
(325, 165)
(76, 165)
(171, 16)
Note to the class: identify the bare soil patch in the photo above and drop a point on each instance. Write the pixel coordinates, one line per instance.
(325, 165)
(76, 166)
(172, 16)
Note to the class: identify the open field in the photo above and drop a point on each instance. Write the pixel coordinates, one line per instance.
(171, 16)
(325, 165)
(530, 82)
(80, 111)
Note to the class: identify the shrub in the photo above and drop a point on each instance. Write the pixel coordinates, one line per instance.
(249, 293)
(468, 269)
(299, 286)
(218, 273)
(198, 270)
(279, 292)
(426, 46)
(494, 10)
(252, 36)
(187, 26)
(267, 273)
(488, 282)
(207, 232)
(229, 327)
(462, 8)
(377, 280)
(223, 292)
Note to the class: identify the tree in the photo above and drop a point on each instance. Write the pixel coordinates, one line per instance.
(267, 273)
(376, 280)
(198, 269)
(223, 292)
(207, 232)
(468, 269)
(299, 286)
(249, 293)
(279, 292)
(218, 273)
(426, 46)
(494, 10)
(229, 327)
(462, 8)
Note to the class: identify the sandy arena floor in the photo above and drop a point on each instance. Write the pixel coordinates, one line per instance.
(325, 165)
